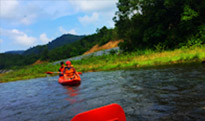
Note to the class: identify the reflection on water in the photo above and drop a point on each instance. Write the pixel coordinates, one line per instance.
(72, 92)
(174, 93)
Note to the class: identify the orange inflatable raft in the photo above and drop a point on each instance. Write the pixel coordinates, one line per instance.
(70, 82)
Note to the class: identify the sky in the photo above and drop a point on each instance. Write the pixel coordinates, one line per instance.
(27, 23)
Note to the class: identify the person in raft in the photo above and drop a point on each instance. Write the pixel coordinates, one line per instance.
(61, 69)
(69, 71)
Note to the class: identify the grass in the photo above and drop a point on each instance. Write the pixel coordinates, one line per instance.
(139, 59)
(136, 60)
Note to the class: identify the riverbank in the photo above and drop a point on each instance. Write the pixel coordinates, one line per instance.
(133, 60)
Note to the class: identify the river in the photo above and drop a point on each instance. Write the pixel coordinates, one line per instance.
(159, 94)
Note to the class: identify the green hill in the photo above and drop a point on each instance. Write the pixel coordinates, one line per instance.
(16, 52)
(78, 47)
(58, 42)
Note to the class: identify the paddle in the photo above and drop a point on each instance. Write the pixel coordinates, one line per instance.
(59, 72)
(112, 112)
(51, 72)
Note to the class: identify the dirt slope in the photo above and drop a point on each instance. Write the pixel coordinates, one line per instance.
(110, 44)
(39, 62)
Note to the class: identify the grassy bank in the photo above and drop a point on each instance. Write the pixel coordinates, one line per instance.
(139, 59)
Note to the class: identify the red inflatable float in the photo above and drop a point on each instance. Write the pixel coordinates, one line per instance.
(112, 112)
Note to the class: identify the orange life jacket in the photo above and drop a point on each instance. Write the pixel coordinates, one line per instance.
(61, 69)
(69, 72)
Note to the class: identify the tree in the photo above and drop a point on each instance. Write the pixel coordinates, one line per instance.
(146, 23)
(44, 55)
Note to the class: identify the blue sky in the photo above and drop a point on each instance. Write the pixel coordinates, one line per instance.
(27, 23)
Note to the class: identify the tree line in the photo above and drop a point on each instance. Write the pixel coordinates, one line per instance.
(162, 24)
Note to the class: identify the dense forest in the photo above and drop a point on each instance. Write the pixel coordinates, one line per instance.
(142, 24)
(160, 24)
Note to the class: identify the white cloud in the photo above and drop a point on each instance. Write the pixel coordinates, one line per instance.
(72, 31)
(95, 9)
(17, 12)
(57, 9)
(27, 20)
(44, 38)
(87, 20)
(111, 24)
(93, 5)
(8, 8)
(22, 38)
(25, 40)
(1, 40)
(62, 30)
(19, 37)
(28, 12)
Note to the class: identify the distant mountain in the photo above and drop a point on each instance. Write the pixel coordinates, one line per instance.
(62, 40)
(16, 52)
(35, 50)
(58, 42)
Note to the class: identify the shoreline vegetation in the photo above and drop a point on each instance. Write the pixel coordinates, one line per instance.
(113, 61)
